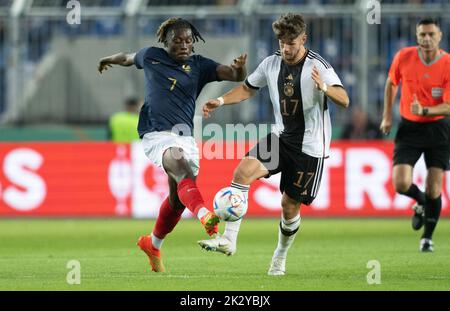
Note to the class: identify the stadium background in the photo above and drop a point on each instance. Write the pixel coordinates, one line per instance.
(50, 91)
(56, 162)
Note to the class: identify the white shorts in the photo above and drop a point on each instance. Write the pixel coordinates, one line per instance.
(156, 143)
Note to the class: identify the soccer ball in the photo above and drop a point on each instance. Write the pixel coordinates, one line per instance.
(230, 204)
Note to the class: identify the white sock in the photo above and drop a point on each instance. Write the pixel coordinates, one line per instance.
(232, 230)
(232, 227)
(156, 242)
(285, 241)
(202, 212)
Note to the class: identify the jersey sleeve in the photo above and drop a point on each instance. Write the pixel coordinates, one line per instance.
(140, 57)
(258, 78)
(394, 71)
(208, 69)
(327, 73)
(330, 77)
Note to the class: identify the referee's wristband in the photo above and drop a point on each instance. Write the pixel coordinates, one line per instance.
(221, 101)
(424, 112)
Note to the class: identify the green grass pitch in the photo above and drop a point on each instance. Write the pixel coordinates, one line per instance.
(328, 254)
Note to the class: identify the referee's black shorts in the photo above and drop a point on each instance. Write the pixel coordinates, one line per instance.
(430, 138)
(300, 173)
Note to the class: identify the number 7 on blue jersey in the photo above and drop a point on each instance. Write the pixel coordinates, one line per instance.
(174, 82)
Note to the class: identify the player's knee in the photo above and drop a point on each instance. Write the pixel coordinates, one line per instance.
(402, 179)
(173, 156)
(244, 173)
(176, 165)
(401, 185)
(238, 174)
(290, 207)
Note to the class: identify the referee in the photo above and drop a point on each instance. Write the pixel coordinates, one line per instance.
(424, 72)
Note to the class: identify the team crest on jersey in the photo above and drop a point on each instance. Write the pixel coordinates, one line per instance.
(186, 68)
(288, 89)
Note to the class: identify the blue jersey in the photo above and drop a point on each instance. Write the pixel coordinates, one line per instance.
(171, 89)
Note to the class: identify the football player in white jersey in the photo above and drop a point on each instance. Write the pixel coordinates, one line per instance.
(299, 82)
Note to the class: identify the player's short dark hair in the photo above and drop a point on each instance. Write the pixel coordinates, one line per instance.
(176, 23)
(289, 26)
(428, 21)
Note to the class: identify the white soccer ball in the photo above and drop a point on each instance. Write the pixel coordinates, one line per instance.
(230, 204)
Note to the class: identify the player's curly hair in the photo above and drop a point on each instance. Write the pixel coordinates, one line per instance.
(289, 26)
(176, 23)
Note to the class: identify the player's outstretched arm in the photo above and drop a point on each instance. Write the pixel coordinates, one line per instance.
(121, 59)
(390, 91)
(236, 95)
(235, 72)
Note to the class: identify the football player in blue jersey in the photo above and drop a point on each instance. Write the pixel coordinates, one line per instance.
(173, 80)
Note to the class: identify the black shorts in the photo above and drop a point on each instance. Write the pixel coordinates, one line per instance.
(431, 138)
(300, 173)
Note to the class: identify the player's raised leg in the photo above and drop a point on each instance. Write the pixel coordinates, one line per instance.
(248, 170)
(169, 215)
(402, 178)
(178, 168)
(289, 225)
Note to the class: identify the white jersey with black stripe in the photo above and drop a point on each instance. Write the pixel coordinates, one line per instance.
(291, 87)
